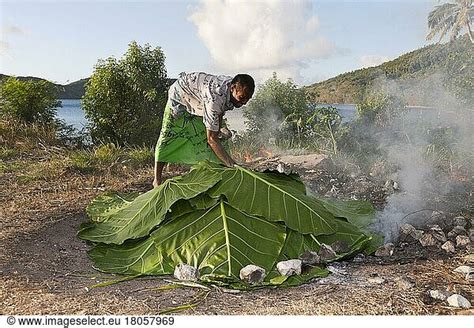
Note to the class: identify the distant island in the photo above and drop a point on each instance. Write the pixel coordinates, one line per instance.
(417, 74)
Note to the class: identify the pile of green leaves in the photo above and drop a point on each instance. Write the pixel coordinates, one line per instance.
(219, 220)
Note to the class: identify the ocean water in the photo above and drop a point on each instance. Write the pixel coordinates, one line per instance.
(72, 114)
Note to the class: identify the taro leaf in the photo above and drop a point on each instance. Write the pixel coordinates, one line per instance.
(149, 209)
(358, 212)
(200, 202)
(274, 197)
(107, 204)
(218, 241)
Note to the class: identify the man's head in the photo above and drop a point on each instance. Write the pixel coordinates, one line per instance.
(241, 89)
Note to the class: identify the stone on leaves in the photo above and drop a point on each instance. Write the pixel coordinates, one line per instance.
(186, 272)
(290, 267)
(309, 258)
(252, 274)
(326, 253)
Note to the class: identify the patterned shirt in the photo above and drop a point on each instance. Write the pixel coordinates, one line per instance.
(203, 95)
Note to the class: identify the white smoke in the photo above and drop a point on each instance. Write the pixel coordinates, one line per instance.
(423, 188)
(261, 37)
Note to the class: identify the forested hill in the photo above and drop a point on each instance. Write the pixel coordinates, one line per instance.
(418, 75)
(74, 90)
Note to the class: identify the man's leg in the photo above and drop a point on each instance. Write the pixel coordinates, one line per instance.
(158, 173)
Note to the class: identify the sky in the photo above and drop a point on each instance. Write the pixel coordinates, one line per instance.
(307, 41)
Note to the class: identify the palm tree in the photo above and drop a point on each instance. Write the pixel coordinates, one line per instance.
(451, 16)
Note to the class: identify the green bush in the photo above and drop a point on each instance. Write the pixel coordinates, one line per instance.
(276, 110)
(125, 98)
(28, 101)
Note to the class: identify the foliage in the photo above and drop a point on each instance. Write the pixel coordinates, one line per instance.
(452, 63)
(125, 98)
(219, 220)
(324, 123)
(451, 16)
(281, 114)
(28, 101)
(276, 109)
(380, 109)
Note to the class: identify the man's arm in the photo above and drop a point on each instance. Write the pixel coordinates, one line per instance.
(218, 148)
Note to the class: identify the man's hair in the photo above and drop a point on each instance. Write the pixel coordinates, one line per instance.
(245, 81)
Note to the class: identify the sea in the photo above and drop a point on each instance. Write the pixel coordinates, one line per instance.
(71, 113)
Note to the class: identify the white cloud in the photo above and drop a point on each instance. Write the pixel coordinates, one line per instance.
(260, 37)
(372, 60)
(8, 29)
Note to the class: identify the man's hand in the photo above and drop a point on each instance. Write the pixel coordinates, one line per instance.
(225, 133)
(219, 150)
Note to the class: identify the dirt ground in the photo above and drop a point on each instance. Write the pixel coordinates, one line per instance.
(44, 268)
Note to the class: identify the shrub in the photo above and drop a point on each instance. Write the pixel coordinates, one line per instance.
(125, 99)
(28, 101)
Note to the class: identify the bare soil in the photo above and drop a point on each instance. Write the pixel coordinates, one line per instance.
(44, 268)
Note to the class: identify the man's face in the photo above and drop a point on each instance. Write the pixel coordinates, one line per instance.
(239, 96)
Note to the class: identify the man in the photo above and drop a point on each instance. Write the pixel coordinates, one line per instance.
(192, 120)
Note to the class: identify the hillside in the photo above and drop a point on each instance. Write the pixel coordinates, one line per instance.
(74, 90)
(418, 76)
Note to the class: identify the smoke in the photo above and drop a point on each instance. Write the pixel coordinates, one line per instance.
(432, 150)
(261, 37)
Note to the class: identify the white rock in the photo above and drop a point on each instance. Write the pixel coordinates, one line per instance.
(464, 269)
(385, 250)
(449, 247)
(290, 267)
(376, 280)
(252, 274)
(459, 301)
(309, 258)
(186, 272)
(439, 295)
(462, 241)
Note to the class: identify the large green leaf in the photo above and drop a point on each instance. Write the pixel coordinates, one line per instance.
(102, 207)
(358, 212)
(276, 197)
(219, 242)
(147, 210)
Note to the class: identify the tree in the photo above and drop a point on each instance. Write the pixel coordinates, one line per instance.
(451, 16)
(277, 107)
(29, 101)
(125, 99)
